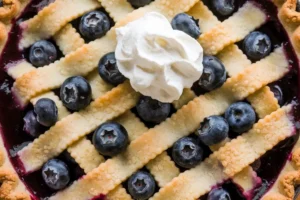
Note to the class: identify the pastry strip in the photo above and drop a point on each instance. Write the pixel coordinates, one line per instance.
(117, 9)
(232, 30)
(183, 122)
(68, 40)
(48, 21)
(78, 150)
(72, 127)
(210, 172)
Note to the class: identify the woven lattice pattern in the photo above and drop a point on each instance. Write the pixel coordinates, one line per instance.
(247, 81)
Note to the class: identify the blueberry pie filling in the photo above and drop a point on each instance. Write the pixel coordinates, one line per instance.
(73, 125)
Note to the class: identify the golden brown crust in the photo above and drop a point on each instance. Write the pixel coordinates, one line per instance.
(76, 125)
(247, 148)
(296, 157)
(289, 181)
(210, 172)
(3, 34)
(232, 30)
(117, 9)
(264, 102)
(183, 122)
(189, 97)
(42, 25)
(9, 180)
(9, 9)
(288, 13)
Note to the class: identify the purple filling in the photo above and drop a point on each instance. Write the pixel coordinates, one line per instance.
(11, 118)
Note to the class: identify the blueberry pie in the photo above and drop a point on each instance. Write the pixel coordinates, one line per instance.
(149, 99)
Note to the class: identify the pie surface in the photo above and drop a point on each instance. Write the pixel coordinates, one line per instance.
(259, 162)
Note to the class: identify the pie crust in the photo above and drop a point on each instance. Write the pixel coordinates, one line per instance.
(229, 160)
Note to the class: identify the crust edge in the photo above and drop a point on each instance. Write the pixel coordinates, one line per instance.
(290, 19)
(11, 188)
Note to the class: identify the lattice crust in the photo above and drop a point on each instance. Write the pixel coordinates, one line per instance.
(84, 152)
(74, 126)
(117, 9)
(120, 193)
(10, 186)
(146, 147)
(207, 20)
(245, 149)
(186, 96)
(247, 179)
(235, 62)
(68, 39)
(258, 100)
(48, 21)
(210, 172)
(19, 69)
(98, 85)
(232, 30)
(33, 83)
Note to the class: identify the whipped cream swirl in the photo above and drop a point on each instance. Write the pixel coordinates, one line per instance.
(159, 61)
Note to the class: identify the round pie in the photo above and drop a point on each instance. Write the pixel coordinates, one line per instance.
(87, 107)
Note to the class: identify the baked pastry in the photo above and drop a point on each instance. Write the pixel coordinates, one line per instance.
(74, 127)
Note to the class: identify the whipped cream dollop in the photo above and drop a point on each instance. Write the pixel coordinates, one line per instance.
(159, 61)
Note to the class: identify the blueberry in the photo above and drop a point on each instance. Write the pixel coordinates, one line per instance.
(76, 93)
(240, 117)
(56, 174)
(94, 25)
(214, 73)
(187, 152)
(42, 53)
(46, 112)
(218, 194)
(278, 94)
(257, 45)
(108, 69)
(213, 130)
(110, 139)
(1, 3)
(223, 7)
(139, 3)
(151, 110)
(187, 24)
(141, 185)
(31, 125)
